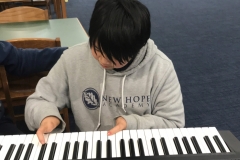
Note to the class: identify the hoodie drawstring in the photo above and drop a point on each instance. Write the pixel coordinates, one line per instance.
(123, 92)
(101, 97)
(100, 108)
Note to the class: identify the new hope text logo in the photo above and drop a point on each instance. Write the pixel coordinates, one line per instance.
(91, 100)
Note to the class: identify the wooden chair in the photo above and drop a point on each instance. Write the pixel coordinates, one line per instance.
(23, 14)
(60, 8)
(14, 3)
(14, 90)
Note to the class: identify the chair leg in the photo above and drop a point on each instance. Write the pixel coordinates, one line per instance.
(57, 7)
(63, 9)
(48, 6)
(4, 81)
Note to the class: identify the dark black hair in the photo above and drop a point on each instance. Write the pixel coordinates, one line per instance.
(119, 28)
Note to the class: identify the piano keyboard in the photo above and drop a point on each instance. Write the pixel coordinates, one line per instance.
(124, 144)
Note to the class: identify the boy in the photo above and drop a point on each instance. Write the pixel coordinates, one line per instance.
(24, 62)
(118, 80)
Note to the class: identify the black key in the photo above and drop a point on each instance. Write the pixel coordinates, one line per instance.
(109, 149)
(187, 146)
(209, 144)
(66, 151)
(164, 146)
(195, 143)
(99, 149)
(42, 151)
(131, 148)
(220, 146)
(140, 146)
(178, 146)
(10, 151)
(122, 148)
(19, 152)
(154, 147)
(28, 152)
(52, 151)
(0, 147)
(75, 150)
(85, 150)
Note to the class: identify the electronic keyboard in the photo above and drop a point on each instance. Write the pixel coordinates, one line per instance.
(143, 144)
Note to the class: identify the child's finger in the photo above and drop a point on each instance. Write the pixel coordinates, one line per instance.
(40, 135)
(114, 130)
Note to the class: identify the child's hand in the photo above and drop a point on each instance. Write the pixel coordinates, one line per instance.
(48, 124)
(121, 124)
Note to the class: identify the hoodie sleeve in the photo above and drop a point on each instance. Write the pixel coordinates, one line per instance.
(51, 95)
(167, 106)
(19, 61)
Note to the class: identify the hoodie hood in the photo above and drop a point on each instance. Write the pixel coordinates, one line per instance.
(145, 54)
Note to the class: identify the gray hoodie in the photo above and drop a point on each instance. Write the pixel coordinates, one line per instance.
(147, 94)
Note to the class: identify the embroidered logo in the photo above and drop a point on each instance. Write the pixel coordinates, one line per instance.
(90, 98)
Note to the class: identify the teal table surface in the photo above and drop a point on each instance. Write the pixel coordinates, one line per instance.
(69, 30)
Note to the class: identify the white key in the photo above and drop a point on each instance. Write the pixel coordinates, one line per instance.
(13, 140)
(157, 138)
(141, 135)
(39, 146)
(208, 133)
(5, 145)
(171, 136)
(51, 139)
(96, 137)
(118, 139)
(126, 137)
(185, 134)
(164, 135)
(58, 140)
(134, 137)
(81, 139)
(35, 143)
(178, 134)
(66, 138)
(1, 138)
(215, 132)
(89, 138)
(199, 133)
(148, 136)
(20, 140)
(28, 140)
(104, 144)
(73, 139)
(192, 132)
(112, 138)
(1, 141)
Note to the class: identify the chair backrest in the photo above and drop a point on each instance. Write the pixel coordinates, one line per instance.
(39, 43)
(23, 14)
